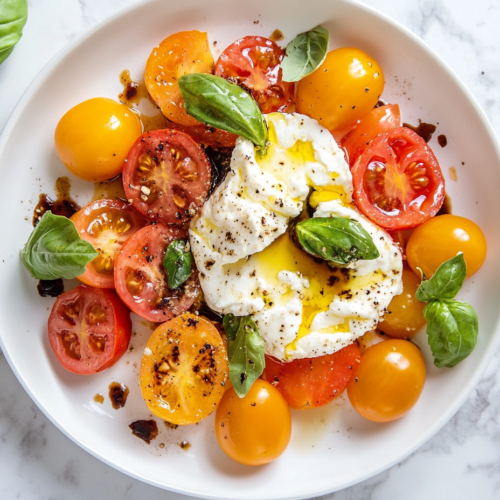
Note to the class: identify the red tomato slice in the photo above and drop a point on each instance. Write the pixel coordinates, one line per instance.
(105, 224)
(313, 382)
(167, 176)
(208, 136)
(254, 63)
(89, 329)
(397, 180)
(141, 279)
(377, 121)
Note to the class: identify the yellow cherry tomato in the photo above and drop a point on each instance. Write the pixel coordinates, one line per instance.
(441, 238)
(256, 429)
(93, 138)
(342, 90)
(388, 382)
(404, 317)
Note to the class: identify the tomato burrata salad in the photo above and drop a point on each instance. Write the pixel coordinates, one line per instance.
(298, 270)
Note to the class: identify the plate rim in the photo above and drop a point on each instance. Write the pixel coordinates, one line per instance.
(47, 70)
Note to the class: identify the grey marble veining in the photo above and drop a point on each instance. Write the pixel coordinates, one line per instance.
(37, 462)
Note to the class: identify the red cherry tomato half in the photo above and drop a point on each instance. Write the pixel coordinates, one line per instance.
(313, 382)
(397, 180)
(208, 136)
(254, 63)
(105, 224)
(167, 176)
(89, 329)
(141, 279)
(377, 121)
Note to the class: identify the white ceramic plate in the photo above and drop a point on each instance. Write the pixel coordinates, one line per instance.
(331, 447)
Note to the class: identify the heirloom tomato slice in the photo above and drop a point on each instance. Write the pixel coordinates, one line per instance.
(397, 180)
(141, 279)
(89, 329)
(167, 176)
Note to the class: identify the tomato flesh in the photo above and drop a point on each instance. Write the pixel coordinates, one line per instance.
(89, 329)
(167, 176)
(141, 279)
(397, 180)
(313, 382)
(105, 224)
(254, 63)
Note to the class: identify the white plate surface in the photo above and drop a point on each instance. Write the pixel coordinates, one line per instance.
(331, 447)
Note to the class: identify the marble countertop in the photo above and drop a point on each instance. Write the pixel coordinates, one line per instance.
(37, 462)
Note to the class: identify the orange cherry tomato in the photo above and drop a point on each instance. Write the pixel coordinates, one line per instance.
(313, 382)
(256, 429)
(404, 317)
(389, 381)
(179, 54)
(342, 90)
(440, 239)
(184, 369)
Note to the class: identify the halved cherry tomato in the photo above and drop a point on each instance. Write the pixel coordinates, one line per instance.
(105, 224)
(389, 381)
(167, 176)
(255, 429)
(313, 382)
(397, 180)
(179, 54)
(184, 369)
(254, 63)
(377, 121)
(208, 136)
(89, 329)
(141, 279)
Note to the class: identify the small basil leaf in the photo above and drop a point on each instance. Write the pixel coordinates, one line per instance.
(13, 16)
(452, 330)
(177, 263)
(245, 352)
(446, 281)
(336, 239)
(231, 324)
(55, 250)
(218, 103)
(305, 53)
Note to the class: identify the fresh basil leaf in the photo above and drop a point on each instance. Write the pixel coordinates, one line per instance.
(452, 330)
(55, 250)
(336, 239)
(13, 16)
(218, 103)
(446, 281)
(305, 53)
(245, 352)
(177, 262)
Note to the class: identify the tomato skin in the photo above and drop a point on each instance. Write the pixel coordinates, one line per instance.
(93, 138)
(313, 382)
(208, 136)
(389, 381)
(184, 370)
(105, 224)
(253, 62)
(255, 429)
(335, 94)
(66, 319)
(398, 183)
(441, 238)
(404, 317)
(141, 279)
(377, 121)
(179, 54)
(167, 176)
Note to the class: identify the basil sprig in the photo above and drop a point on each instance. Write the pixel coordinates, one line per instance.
(336, 239)
(13, 16)
(246, 352)
(55, 250)
(452, 326)
(305, 53)
(177, 263)
(218, 103)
